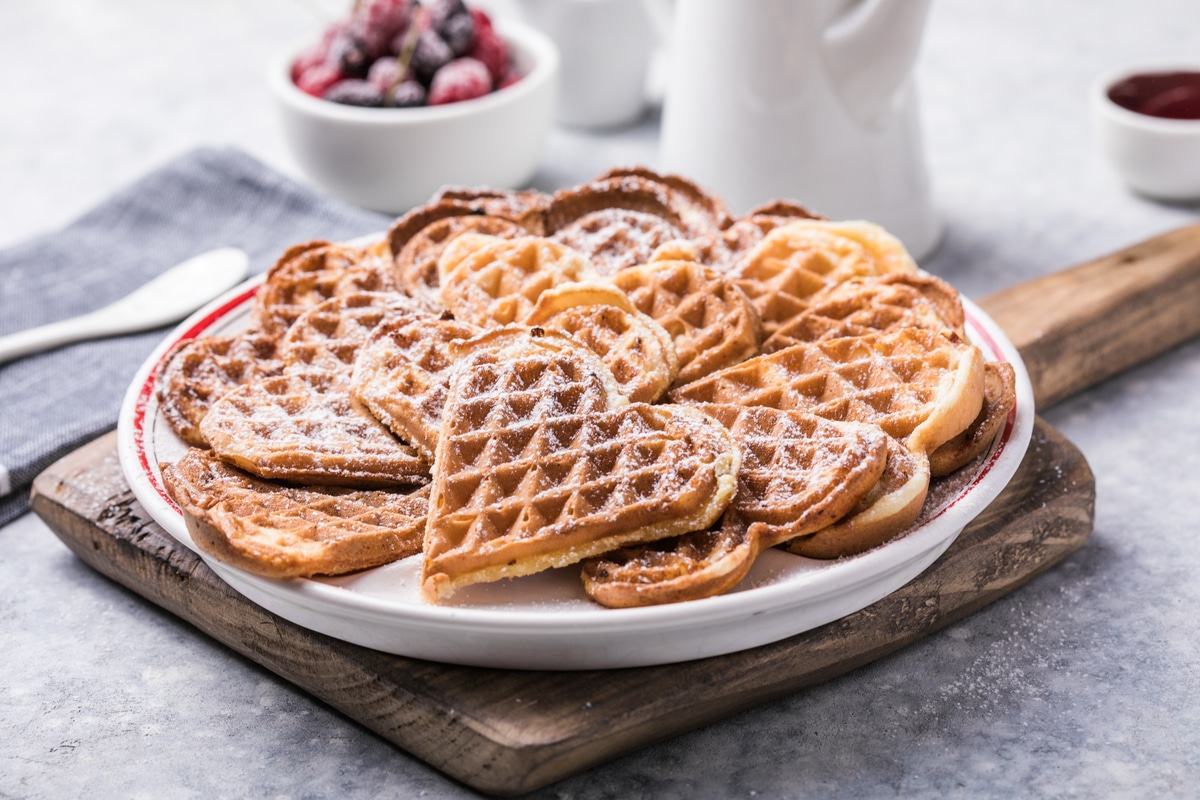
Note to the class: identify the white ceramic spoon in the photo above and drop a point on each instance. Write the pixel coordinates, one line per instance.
(168, 298)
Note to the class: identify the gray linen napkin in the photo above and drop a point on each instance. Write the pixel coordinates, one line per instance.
(55, 402)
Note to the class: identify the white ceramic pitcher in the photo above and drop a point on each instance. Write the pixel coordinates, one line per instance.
(810, 100)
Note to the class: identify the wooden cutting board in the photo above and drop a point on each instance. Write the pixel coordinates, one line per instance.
(509, 732)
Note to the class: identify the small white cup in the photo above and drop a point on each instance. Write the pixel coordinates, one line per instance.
(1157, 157)
(606, 47)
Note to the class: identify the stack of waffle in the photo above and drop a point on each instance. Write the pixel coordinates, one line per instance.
(620, 375)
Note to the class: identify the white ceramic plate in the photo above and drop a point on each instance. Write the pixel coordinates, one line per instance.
(545, 621)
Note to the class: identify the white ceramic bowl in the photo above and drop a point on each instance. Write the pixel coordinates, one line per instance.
(1157, 157)
(391, 159)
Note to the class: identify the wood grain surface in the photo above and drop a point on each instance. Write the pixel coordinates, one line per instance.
(1077, 327)
(508, 732)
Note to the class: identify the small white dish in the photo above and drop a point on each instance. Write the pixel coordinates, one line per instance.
(1156, 156)
(545, 621)
(391, 159)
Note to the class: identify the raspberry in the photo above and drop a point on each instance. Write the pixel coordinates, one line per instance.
(407, 94)
(386, 72)
(378, 22)
(430, 55)
(317, 80)
(512, 77)
(490, 49)
(482, 20)
(459, 33)
(461, 79)
(354, 92)
(317, 53)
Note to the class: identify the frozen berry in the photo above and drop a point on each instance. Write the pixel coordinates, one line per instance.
(353, 92)
(461, 79)
(431, 54)
(491, 50)
(512, 77)
(378, 22)
(350, 54)
(317, 80)
(386, 72)
(441, 11)
(459, 33)
(482, 20)
(407, 94)
(318, 53)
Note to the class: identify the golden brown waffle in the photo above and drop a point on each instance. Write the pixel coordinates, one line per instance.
(999, 397)
(797, 261)
(918, 385)
(747, 231)
(713, 324)
(613, 239)
(700, 209)
(288, 531)
(629, 193)
(880, 304)
(521, 389)
(542, 463)
(799, 474)
(329, 335)
(921, 387)
(306, 427)
(198, 372)
(527, 209)
(636, 349)
(401, 375)
(498, 282)
(308, 278)
(891, 507)
(417, 262)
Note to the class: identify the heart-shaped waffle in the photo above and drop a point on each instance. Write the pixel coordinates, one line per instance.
(527, 209)
(799, 474)
(290, 531)
(198, 372)
(306, 427)
(417, 261)
(797, 261)
(700, 210)
(629, 193)
(307, 278)
(999, 397)
(713, 324)
(329, 335)
(491, 282)
(921, 387)
(543, 463)
(637, 350)
(613, 239)
(402, 372)
(880, 304)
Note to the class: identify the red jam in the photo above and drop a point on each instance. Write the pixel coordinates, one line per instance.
(1172, 95)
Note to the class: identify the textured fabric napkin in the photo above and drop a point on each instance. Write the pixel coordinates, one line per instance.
(54, 402)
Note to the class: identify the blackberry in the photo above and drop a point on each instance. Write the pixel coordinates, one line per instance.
(431, 54)
(351, 55)
(355, 92)
(440, 11)
(459, 33)
(406, 94)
